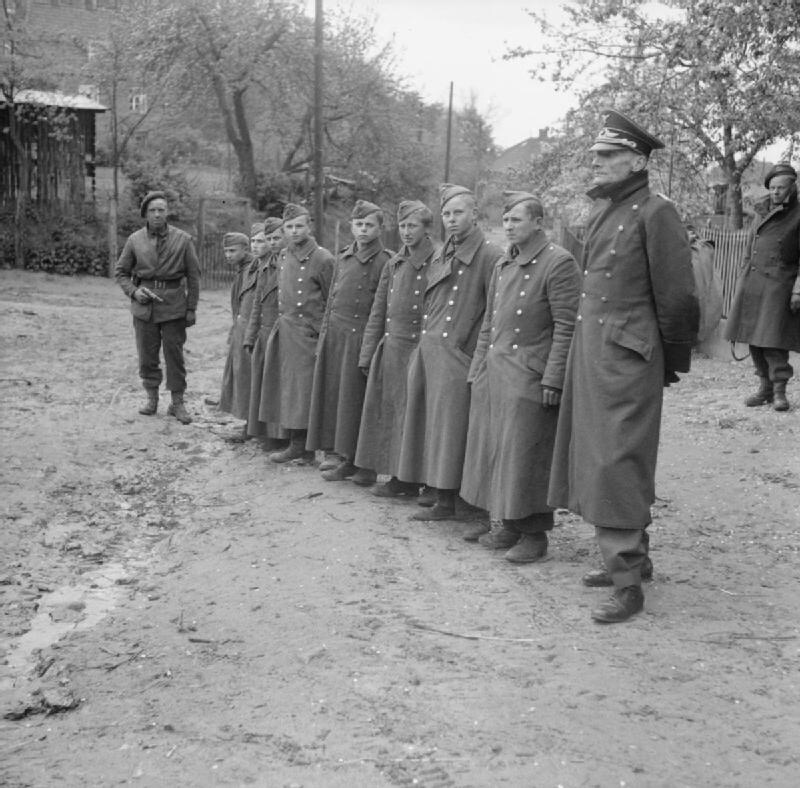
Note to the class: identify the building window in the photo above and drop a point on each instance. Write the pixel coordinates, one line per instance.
(138, 102)
(90, 91)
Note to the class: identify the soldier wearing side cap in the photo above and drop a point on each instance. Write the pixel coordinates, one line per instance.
(392, 333)
(266, 245)
(235, 393)
(637, 318)
(437, 407)
(766, 305)
(304, 279)
(517, 376)
(159, 271)
(338, 392)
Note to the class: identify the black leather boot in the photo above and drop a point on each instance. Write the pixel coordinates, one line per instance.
(763, 396)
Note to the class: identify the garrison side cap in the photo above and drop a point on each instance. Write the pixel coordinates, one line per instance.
(512, 199)
(619, 132)
(449, 190)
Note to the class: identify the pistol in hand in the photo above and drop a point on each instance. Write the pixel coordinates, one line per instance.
(151, 295)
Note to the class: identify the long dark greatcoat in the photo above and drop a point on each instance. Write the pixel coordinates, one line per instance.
(262, 318)
(391, 335)
(523, 345)
(760, 313)
(235, 395)
(437, 407)
(637, 318)
(338, 391)
(304, 279)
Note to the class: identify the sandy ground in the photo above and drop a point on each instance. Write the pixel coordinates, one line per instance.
(178, 611)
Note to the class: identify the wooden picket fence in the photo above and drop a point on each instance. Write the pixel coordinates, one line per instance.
(215, 274)
(730, 249)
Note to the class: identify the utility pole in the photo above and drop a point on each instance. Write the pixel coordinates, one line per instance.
(449, 135)
(319, 175)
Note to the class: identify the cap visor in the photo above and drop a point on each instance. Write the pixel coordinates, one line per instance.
(609, 146)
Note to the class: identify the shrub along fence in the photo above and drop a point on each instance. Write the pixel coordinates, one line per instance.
(215, 274)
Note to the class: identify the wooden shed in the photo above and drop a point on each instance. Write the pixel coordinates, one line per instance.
(47, 150)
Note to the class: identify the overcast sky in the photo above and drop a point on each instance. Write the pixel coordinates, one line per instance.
(439, 41)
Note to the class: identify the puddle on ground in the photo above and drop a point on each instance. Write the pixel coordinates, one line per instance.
(90, 601)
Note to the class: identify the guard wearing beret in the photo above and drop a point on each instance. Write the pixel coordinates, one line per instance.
(766, 305)
(437, 408)
(305, 270)
(265, 244)
(339, 384)
(637, 319)
(517, 376)
(392, 333)
(159, 271)
(235, 394)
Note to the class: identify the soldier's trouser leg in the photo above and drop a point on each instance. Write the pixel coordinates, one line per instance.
(532, 524)
(173, 338)
(623, 550)
(148, 346)
(778, 364)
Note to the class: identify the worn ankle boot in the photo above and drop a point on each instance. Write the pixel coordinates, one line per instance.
(178, 409)
(762, 396)
(151, 406)
(779, 401)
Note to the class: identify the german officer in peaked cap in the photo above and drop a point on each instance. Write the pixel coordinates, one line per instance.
(637, 318)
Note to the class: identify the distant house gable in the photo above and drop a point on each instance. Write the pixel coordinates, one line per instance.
(523, 154)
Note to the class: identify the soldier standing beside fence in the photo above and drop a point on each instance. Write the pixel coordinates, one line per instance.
(159, 271)
(266, 245)
(766, 305)
(305, 270)
(637, 319)
(235, 393)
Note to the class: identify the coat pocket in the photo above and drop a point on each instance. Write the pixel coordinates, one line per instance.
(624, 338)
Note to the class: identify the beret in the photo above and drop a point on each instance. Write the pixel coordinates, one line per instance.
(235, 239)
(293, 210)
(364, 208)
(256, 228)
(781, 168)
(619, 132)
(271, 224)
(407, 207)
(148, 198)
(513, 199)
(449, 190)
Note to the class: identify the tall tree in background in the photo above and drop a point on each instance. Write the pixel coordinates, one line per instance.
(720, 77)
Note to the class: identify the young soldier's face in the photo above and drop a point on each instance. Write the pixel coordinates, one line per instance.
(297, 230)
(275, 240)
(234, 254)
(412, 230)
(518, 225)
(366, 229)
(459, 215)
(258, 244)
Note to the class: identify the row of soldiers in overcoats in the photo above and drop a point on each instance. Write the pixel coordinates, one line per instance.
(479, 393)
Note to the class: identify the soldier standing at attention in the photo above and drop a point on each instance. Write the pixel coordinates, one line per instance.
(304, 278)
(517, 375)
(437, 408)
(159, 271)
(766, 305)
(339, 384)
(235, 395)
(637, 319)
(265, 244)
(391, 335)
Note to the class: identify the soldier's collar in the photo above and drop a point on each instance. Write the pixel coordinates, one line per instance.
(467, 247)
(420, 254)
(525, 254)
(620, 189)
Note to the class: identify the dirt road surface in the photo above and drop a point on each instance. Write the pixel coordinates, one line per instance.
(178, 611)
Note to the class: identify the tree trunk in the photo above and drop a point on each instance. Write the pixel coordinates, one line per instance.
(733, 208)
(243, 146)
